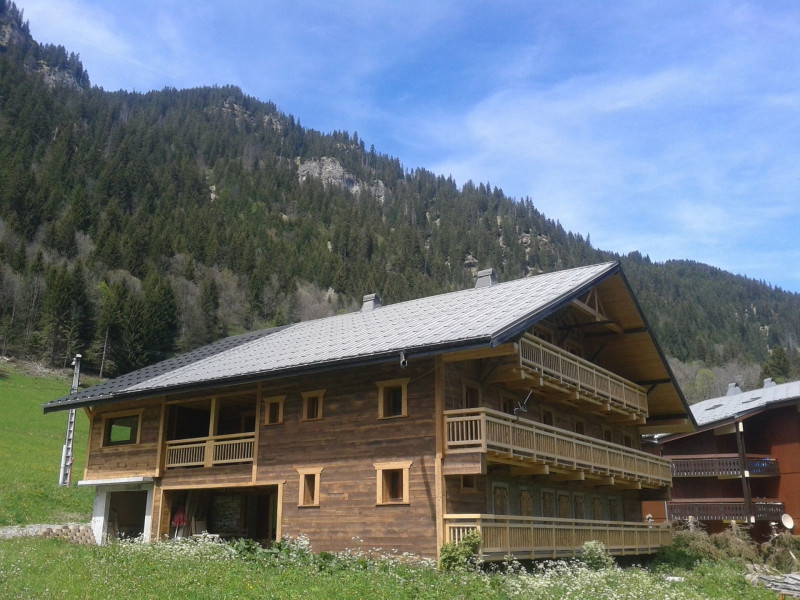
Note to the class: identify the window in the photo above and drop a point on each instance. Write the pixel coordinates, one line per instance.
(273, 410)
(312, 405)
(392, 398)
(507, 405)
(607, 435)
(579, 427)
(470, 396)
(627, 441)
(468, 484)
(597, 509)
(121, 428)
(392, 482)
(309, 486)
(547, 417)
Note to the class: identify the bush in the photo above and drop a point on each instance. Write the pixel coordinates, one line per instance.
(595, 556)
(461, 556)
(782, 552)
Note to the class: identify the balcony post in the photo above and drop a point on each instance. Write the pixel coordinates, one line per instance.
(748, 508)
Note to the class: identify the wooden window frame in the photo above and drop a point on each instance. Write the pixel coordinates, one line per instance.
(388, 384)
(579, 424)
(548, 411)
(560, 495)
(319, 395)
(576, 498)
(107, 423)
(469, 489)
(552, 493)
(383, 468)
(529, 491)
(306, 473)
(268, 403)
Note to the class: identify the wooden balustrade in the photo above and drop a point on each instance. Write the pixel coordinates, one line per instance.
(587, 379)
(210, 451)
(723, 465)
(545, 537)
(487, 430)
(725, 509)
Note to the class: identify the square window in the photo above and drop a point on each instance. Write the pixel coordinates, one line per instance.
(392, 398)
(468, 483)
(273, 410)
(312, 405)
(121, 430)
(393, 482)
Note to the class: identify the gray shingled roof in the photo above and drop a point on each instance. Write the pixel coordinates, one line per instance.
(725, 408)
(475, 317)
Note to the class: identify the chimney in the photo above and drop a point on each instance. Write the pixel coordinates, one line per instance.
(486, 278)
(733, 389)
(769, 383)
(370, 302)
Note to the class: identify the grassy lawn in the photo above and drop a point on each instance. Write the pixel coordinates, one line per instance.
(30, 452)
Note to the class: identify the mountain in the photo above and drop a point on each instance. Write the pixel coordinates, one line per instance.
(134, 225)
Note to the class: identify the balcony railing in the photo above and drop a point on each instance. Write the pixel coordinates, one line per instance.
(725, 509)
(723, 465)
(210, 451)
(573, 373)
(487, 430)
(545, 537)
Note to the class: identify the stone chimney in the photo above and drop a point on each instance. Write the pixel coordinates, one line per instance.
(768, 382)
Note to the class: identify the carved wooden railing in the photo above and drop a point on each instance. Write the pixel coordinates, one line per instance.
(587, 379)
(725, 509)
(723, 465)
(487, 430)
(210, 451)
(545, 537)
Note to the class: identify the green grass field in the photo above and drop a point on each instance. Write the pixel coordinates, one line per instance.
(30, 452)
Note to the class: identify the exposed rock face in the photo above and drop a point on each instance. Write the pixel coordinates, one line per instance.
(331, 172)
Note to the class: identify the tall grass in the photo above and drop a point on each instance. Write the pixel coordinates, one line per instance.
(30, 452)
(37, 568)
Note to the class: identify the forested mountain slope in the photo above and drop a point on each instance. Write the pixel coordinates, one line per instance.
(135, 225)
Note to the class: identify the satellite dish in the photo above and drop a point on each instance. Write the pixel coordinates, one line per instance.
(787, 521)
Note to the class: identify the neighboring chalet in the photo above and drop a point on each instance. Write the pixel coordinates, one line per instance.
(743, 463)
(514, 409)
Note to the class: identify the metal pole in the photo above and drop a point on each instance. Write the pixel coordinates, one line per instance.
(65, 474)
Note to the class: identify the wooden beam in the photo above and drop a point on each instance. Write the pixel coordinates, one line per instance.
(488, 352)
(533, 469)
(569, 476)
(599, 317)
(631, 331)
(440, 500)
(609, 480)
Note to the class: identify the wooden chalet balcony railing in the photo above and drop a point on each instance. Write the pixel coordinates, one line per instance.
(725, 509)
(512, 438)
(572, 373)
(723, 465)
(210, 451)
(545, 537)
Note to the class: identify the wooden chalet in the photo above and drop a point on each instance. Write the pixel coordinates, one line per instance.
(743, 462)
(514, 409)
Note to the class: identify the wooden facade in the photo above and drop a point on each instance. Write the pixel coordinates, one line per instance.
(745, 470)
(535, 443)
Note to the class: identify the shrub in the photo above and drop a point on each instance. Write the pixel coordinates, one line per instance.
(595, 556)
(460, 556)
(782, 552)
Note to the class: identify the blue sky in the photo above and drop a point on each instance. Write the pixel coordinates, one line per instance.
(665, 127)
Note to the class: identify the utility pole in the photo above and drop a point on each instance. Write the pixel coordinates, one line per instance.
(67, 457)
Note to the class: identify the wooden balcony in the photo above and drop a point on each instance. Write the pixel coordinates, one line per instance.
(725, 509)
(723, 466)
(210, 451)
(545, 537)
(509, 439)
(578, 381)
